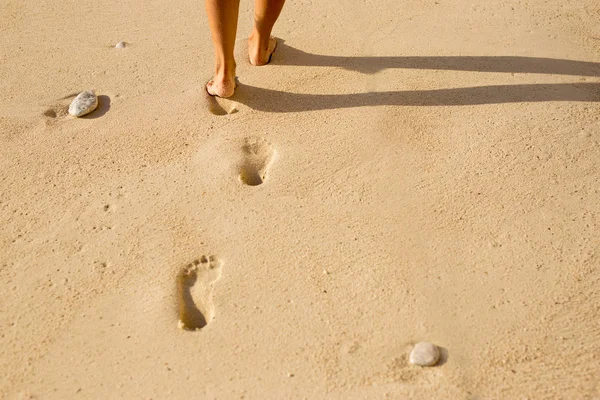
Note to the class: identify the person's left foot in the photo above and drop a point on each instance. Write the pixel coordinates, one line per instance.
(260, 54)
(223, 84)
(221, 87)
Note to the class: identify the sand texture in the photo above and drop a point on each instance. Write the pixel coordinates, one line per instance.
(402, 171)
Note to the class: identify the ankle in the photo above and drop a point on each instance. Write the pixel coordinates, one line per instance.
(225, 71)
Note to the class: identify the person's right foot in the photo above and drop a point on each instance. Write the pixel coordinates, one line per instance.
(260, 53)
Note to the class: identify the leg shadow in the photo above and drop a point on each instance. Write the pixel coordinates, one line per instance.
(280, 102)
(287, 55)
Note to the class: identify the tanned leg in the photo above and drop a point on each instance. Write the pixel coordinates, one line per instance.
(261, 45)
(223, 19)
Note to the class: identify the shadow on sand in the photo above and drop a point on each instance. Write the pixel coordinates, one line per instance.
(103, 108)
(286, 55)
(279, 102)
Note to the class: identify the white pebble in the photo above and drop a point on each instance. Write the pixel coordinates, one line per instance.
(83, 104)
(121, 45)
(425, 354)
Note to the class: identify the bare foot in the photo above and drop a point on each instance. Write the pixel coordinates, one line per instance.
(260, 53)
(221, 87)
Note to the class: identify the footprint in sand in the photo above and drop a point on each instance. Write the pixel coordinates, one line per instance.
(56, 111)
(195, 290)
(220, 106)
(258, 157)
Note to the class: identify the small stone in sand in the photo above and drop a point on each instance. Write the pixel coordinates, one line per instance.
(121, 45)
(83, 104)
(425, 354)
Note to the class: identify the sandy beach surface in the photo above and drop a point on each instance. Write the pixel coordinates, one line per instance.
(402, 171)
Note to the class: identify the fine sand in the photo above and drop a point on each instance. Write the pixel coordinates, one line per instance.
(402, 171)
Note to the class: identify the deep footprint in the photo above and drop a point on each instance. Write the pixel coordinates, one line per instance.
(258, 157)
(219, 106)
(195, 291)
(58, 111)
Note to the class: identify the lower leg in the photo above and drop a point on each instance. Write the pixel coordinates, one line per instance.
(222, 19)
(261, 45)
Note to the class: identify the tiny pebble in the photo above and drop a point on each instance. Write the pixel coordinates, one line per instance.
(83, 104)
(425, 354)
(121, 45)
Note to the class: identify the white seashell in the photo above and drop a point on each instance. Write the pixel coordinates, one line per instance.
(121, 45)
(83, 104)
